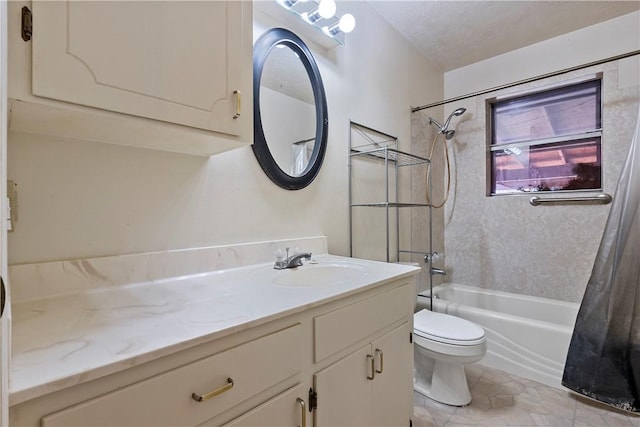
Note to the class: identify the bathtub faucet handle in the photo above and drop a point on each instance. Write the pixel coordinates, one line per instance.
(433, 257)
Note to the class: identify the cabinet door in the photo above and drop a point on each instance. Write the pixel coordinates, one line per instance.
(344, 392)
(175, 61)
(393, 387)
(283, 410)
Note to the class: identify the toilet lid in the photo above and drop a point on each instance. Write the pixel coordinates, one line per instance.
(446, 328)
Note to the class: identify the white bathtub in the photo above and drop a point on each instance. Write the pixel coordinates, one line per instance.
(527, 336)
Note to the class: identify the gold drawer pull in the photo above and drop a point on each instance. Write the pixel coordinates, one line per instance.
(372, 361)
(303, 413)
(214, 393)
(381, 354)
(238, 103)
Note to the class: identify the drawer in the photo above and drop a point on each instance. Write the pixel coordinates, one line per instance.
(339, 329)
(281, 411)
(166, 399)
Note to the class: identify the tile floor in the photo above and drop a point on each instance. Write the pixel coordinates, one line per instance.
(504, 400)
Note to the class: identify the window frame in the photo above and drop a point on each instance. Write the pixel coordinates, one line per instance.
(490, 129)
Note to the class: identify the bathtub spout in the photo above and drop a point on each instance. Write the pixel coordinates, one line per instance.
(438, 271)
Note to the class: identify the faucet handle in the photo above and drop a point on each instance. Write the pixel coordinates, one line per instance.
(281, 259)
(291, 259)
(280, 255)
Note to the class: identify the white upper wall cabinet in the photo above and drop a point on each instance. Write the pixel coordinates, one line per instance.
(180, 62)
(170, 61)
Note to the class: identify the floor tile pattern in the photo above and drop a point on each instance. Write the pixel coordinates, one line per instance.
(505, 400)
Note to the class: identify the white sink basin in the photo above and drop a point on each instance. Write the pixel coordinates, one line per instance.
(321, 274)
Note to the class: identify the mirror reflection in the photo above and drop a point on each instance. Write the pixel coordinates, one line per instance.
(288, 110)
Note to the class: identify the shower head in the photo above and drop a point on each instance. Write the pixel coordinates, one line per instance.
(444, 129)
(456, 112)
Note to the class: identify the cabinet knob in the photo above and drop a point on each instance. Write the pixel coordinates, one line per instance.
(214, 393)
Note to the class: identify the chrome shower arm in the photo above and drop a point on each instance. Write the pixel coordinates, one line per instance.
(435, 122)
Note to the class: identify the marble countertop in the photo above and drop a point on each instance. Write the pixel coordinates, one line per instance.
(63, 340)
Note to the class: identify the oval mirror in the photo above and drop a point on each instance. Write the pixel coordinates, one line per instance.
(290, 110)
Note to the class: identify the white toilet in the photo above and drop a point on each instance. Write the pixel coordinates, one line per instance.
(443, 345)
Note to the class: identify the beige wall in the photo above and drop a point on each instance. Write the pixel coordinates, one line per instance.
(502, 242)
(82, 199)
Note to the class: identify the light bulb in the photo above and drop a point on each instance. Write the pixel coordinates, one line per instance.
(327, 8)
(347, 23)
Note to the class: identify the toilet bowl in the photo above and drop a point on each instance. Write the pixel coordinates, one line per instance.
(443, 345)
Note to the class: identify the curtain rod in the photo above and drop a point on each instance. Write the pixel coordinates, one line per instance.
(529, 80)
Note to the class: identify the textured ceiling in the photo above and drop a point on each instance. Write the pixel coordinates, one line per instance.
(452, 34)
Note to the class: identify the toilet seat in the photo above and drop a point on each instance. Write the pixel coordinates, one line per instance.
(447, 329)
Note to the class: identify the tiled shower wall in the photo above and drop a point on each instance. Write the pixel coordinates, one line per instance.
(422, 139)
(504, 243)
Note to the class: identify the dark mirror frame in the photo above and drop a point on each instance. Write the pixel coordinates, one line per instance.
(263, 46)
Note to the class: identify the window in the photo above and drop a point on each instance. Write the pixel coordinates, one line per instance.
(547, 141)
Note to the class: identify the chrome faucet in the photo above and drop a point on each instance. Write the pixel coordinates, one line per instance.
(440, 271)
(292, 261)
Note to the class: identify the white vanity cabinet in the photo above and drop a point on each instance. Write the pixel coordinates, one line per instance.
(154, 63)
(370, 387)
(221, 381)
(288, 409)
(373, 385)
(344, 361)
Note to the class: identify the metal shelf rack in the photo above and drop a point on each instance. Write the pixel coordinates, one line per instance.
(377, 146)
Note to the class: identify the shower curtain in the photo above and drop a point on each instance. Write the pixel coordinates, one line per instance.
(301, 152)
(603, 361)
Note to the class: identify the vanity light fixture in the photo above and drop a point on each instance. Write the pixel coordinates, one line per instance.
(326, 9)
(346, 24)
(321, 14)
(289, 3)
